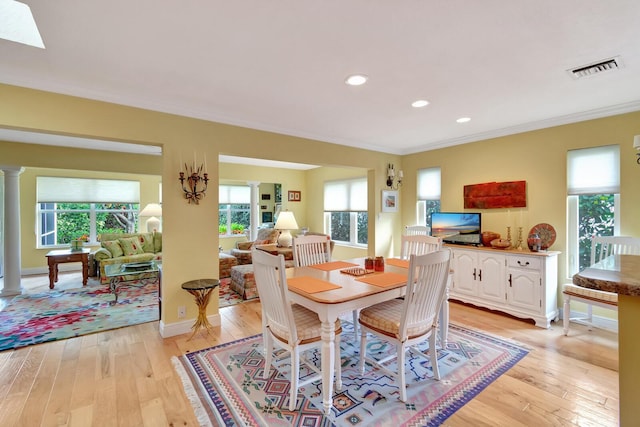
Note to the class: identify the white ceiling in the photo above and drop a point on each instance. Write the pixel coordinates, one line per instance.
(280, 65)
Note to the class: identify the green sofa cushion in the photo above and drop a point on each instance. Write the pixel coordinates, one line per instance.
(157, 241)
(131, 246)
(146, 240)
(113, 246)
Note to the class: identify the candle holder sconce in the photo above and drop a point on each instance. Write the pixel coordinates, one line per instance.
(196, 185)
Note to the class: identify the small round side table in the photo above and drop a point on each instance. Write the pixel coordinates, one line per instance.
(201, 290)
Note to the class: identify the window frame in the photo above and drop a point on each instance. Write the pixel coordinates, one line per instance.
(349, 204)
(590, 172)
(43, 214)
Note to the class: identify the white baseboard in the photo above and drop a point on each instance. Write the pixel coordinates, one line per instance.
(598, 321)
(69, 266)
(184, 326)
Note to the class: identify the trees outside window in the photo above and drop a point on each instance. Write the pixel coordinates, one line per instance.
(234, 219)
(60, 223)
(345, 206)
(348, 227)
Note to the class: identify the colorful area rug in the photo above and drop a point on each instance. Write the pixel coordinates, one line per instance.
(228, 296)
(226, 388)
(59, 314)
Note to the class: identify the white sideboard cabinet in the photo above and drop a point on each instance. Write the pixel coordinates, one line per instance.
(521, 283)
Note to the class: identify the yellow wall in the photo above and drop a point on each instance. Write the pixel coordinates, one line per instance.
(538, 157)
(185, 226)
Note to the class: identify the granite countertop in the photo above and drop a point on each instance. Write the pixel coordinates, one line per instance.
(617, 273)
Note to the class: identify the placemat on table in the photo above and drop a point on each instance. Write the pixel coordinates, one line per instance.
(397, 262)
(310, 285)
(333, 265)
(384, 279)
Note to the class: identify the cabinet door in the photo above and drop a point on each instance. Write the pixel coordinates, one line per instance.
(464, 273)
(524, 290)
(491, 275)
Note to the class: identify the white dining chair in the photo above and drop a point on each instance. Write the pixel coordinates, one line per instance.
(414, 230)
(601, 248)
(316, 249)
(411, 321)
(418, 244)
(312, 249)
(291, 327)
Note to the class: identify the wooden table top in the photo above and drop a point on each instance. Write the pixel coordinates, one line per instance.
(617, 273)
(350, 287)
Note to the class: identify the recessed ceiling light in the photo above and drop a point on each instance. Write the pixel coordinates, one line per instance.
(420, 103)
(356, 79)
(463, 119)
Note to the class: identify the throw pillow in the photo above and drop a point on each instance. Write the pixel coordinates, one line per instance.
(146, 240)
(113, 246)
(157, 242)
(244, 246)
(131, 246)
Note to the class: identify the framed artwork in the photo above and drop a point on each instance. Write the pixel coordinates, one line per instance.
(263, 207)
(294, 196)
(267, 217)
(389, 201)
(266, 196)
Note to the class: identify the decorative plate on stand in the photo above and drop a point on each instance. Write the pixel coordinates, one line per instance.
(547, 234)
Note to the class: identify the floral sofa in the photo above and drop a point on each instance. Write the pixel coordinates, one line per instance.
(242, 251)
(119, 248)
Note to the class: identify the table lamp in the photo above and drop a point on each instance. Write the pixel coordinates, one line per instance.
(152, 210)
(285, 223)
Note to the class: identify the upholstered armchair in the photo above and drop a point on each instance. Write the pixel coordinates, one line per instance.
(242, 251)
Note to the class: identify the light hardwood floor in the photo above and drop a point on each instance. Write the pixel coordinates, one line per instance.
(125, 377)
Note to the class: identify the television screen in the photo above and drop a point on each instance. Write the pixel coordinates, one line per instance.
(461, 228)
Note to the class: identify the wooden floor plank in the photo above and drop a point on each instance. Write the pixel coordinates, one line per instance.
(125, 377)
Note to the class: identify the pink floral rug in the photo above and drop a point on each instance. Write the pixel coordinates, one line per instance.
(59, 314)
(228, 296)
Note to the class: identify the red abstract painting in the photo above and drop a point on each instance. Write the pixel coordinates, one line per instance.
(492, 195)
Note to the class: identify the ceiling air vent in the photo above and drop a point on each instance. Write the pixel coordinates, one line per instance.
(596, 68)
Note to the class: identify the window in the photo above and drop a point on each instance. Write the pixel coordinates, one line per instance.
(593, 187)
(73, 208)
(234, 206)
(428, 195)
(345, 211)
(60, 223)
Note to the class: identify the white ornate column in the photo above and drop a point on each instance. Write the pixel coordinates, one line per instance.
(255, 208)
(12, 263)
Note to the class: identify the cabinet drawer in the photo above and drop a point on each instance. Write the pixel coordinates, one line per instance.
(530, 263)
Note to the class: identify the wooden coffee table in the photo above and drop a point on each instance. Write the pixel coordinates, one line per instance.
(61, 256)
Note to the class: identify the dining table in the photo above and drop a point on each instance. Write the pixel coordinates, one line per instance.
(333, 288)
(621, 274)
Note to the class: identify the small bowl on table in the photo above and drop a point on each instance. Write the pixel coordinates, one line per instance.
(488, 236)
(500, 243)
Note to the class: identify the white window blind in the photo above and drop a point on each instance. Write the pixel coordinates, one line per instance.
(82, 190)
(594, 170)
(234, 195)
(429, 184)
(346, 196)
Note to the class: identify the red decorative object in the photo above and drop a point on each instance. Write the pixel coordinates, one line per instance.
(492, 195)
(546, 233)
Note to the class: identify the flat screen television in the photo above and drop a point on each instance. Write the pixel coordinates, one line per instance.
(461, 228)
